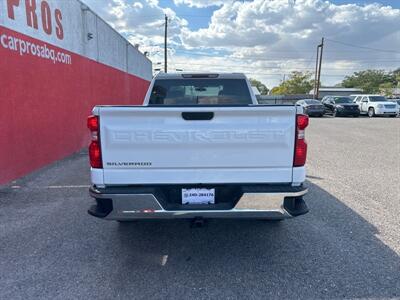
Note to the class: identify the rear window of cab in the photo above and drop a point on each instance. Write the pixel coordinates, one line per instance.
(200, 92)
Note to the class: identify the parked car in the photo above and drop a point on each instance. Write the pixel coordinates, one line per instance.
(376, 105)
(397, 101)
(352, 98)
(199, 147)
(340, 106)
(312, 107)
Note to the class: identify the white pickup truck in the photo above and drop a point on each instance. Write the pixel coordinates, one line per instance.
(199, 147)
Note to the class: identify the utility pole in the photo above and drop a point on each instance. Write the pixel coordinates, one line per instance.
(320, 65)
(316, 74)
(165, 43)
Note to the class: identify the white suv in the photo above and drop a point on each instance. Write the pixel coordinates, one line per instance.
(397, 101)
(375, 105)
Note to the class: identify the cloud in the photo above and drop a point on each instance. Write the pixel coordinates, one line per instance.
(201, 3)
(287, 35)
(275, 24)
(141, 22)
(264, 38)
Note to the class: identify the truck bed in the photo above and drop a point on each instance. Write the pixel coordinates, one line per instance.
(196, 145)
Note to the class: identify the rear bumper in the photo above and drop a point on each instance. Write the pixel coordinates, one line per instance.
(255, 201)
(314, 112)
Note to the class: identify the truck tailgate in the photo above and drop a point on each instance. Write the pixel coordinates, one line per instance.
(157, 145)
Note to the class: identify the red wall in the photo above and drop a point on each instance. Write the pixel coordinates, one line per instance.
(44, 106)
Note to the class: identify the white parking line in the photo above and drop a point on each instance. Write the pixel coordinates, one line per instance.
(67, 186)
(15, 187)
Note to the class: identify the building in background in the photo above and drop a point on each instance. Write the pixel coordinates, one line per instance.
(281, 99)
(57, 60)
(336, 91)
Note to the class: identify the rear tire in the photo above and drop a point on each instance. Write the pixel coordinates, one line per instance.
(371, 112)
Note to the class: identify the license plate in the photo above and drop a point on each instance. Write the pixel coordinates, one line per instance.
(198, 196)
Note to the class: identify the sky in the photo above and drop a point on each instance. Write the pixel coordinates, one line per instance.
(265, 39)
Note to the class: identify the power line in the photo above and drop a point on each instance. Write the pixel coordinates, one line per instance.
(300, 51)
(184, 51)
(238, 58)
(269, 74)
(283, 58)
(310, 51)
(194, 16)
(213, 66)
(172, 17)
(289, 68)
(270, 67)
(363, 47)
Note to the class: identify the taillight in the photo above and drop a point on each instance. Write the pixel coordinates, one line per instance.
(94, 147)
(302, 122)
(95, 155)
(300, 150)
(93, 123)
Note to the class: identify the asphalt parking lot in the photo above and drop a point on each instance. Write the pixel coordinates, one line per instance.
(348, 246)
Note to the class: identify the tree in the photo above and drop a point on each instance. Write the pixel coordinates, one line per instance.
(387, 88)
(277, 90)
(396, 74)
(370, 80)
(262, 88)
(298, 83)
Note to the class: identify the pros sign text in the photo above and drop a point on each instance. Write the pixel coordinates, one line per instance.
(51, 20)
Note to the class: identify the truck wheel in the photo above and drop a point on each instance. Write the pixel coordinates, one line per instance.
(371, 112)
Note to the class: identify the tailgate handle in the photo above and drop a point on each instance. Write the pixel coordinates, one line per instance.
(198, 115)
